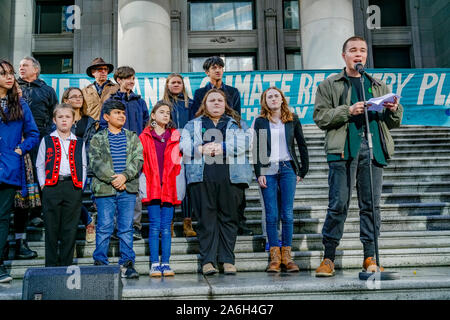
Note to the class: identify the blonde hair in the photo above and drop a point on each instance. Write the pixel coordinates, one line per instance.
(168, 96)
(266, 112)
(63, 106)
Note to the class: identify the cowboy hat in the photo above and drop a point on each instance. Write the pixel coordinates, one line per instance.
(98, 62)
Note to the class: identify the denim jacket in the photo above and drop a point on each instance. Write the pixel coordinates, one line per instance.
(237, 145)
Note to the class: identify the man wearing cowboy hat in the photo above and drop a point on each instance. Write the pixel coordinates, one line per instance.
(98, 92)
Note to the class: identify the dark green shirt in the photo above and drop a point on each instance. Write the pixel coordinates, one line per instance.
(356, 127)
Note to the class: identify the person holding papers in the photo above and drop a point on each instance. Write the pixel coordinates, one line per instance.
(339, 111)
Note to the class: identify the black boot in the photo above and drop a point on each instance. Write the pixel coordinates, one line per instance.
(22, 251)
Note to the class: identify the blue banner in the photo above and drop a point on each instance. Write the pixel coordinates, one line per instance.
(425, 93)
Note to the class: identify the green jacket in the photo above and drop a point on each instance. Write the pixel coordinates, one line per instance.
(333, 117)
(101, 164)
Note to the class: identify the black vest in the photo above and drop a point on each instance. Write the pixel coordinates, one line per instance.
(53, 161)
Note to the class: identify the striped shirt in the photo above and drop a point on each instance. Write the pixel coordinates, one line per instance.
(118, 149)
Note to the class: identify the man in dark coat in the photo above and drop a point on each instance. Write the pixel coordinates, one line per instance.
(213, 67)
(42, 100)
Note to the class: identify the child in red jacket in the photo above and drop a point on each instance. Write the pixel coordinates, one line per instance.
(161, 167)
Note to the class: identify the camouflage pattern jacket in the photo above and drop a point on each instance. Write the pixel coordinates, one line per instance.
(101, 164)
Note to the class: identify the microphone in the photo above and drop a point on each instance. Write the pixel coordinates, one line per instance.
(360, 68)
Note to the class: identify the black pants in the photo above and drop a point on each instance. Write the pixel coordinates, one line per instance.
(341, 179)
(7, 193)
(216, 208)
(62, 206)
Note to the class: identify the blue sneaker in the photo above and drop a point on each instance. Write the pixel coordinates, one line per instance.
(166, 271)
(155, 270)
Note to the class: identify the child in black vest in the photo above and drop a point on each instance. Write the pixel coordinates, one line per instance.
(61, 169)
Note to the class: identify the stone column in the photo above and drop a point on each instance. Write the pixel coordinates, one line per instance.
(144, 35)
(5, 34)
(22, 33)
(325, 25)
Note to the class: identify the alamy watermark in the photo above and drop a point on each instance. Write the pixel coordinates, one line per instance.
(374, 19)
(74, 280)
(73, 17)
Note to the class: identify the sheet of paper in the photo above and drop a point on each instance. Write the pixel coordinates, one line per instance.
(376, 104)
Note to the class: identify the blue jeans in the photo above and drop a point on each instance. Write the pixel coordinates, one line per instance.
(279, 197)
(123, 204)
(160, 220)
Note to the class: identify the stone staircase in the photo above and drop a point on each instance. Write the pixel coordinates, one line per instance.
(415, 209)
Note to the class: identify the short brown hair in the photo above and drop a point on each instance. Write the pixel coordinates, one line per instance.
(124, 72)
(354, 38)
(63, 106)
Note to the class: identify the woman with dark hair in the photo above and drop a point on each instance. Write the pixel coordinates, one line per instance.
(176, 97)
(84, 127)
(214, 147)
(16, 121)
(276, 130)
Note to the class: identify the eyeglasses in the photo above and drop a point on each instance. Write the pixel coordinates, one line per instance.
(102, 69)
(76, 97)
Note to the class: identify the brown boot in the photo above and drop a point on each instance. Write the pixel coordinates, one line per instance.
(275, 260)
(370, 265)
(171, 230)
(326, 268)
(187, 228)
(286, 260)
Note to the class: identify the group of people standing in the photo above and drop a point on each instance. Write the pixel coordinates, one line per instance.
(190, 152)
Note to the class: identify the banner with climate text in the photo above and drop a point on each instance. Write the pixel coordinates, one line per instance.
(425, 93)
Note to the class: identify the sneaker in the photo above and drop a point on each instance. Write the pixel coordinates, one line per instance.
(166, 271)
(128, 271)
(4, 275)
(209, 269)
(370, 265)
(37, 222)
(99, 263)
(155, 270)
(326, 269)
(229, 268)
(137, 235)
(90, 232)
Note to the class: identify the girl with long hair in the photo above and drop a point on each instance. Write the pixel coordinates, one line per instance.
(176, 97)
(16, 121)
(160, 141)
(276, 130)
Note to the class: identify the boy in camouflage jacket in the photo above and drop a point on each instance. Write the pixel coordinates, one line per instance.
(116, 160)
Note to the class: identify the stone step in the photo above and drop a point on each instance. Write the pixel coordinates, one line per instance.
(388, 188)
(319, 155)
(403, 209)
(317, 142)
(303, 225)
(389, 223)
(246, 244)
(386, 198)
(398, 148)
(257, 261)
(415, 284)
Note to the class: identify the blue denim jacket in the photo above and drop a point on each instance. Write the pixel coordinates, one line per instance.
(237, 145)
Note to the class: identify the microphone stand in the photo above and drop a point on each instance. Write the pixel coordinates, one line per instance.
(376, 275)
